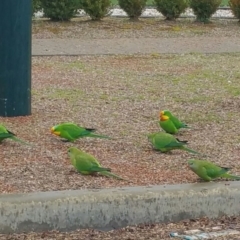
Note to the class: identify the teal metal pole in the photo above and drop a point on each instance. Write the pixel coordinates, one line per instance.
(15, 57)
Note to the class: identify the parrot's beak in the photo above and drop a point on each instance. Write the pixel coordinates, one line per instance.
(52, 130)
(161, 113)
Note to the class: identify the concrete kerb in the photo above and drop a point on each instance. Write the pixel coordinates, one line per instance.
(108, 209)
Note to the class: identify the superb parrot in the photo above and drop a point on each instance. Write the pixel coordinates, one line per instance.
(165, 142)
(71, 132)
(167, 125)
(209, 171)
(178, 124)
(87, 164)
(6, 134)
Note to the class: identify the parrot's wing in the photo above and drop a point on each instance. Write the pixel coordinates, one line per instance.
(73, 161)
(175, 119)
(215, 171)
(11, 132)
(168, 126)
(202, 173)
(83, 164)
(157, 143)
(76, 131)
(88, 129)
(67, 135)
(86, 165)
(178, 124)
(85, 132)
(100, 169)
(5, 130)
(6, 135)
(87, 162)
(90, 158)
(162, 140)
(175, 144)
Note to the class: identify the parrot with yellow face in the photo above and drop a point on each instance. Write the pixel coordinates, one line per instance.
(178, 124)
(167, 125)
(72, 132)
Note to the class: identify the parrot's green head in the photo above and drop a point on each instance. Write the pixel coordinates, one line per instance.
(73, 151)
(55, 130)
(166, 113)
(192, 164)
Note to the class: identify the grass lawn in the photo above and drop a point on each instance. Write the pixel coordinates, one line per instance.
(121, 96)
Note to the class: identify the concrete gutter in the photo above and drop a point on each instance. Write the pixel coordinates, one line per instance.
(179, 45)
(114, 208)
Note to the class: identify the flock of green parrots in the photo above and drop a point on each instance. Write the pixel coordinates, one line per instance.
(87, 164)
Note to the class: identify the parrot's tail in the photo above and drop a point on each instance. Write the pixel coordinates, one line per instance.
(91, 129)
(226, 175)
(191, 151)
(21, 141)
(109, 174)
(98, 136)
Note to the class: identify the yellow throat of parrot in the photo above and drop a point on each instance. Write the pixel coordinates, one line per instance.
(54, 132)
(163, 117)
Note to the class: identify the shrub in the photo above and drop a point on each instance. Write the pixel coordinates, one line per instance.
(36, 6)
(203, 9)
(235, 7)
(96, 9)
(133, 8)
(59, 10)
(171, 9)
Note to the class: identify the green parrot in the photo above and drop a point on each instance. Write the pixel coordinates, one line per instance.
(167, 125)
(71, 132)
(209, 171)
(6, 134)
(165, 142)
(178, 124)
(87, 164)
